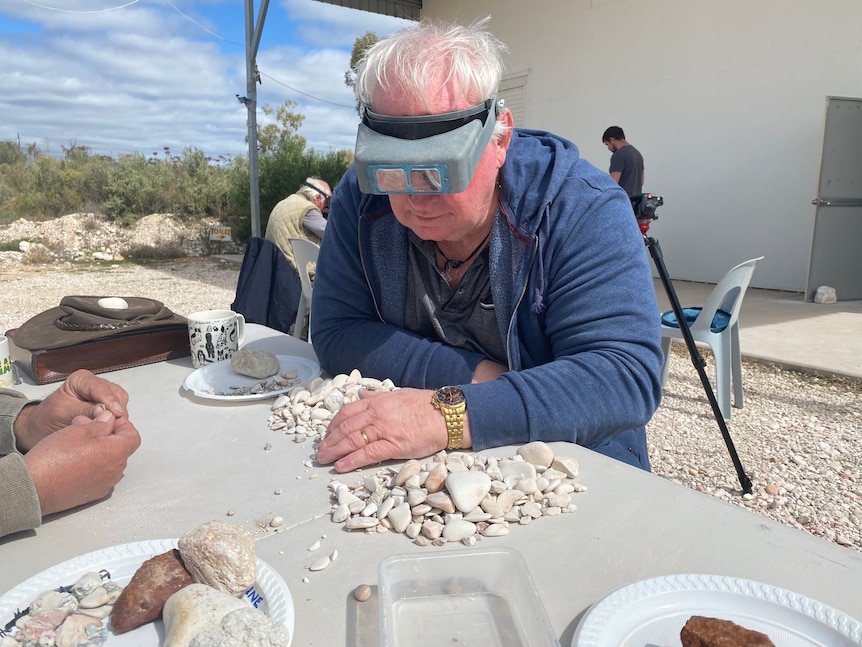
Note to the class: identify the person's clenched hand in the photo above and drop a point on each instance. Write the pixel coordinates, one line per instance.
(397, 424)
(82, 462)
(82, 394)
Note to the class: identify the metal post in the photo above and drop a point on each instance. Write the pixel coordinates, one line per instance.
(252, 42)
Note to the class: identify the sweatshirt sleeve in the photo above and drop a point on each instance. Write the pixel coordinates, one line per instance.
(20, 502)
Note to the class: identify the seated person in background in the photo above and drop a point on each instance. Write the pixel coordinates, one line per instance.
(301, 215)
(65, 451)
(505, 285)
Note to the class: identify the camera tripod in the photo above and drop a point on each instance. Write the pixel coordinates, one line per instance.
(696, 357)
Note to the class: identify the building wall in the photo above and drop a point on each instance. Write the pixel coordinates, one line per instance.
(725, 99)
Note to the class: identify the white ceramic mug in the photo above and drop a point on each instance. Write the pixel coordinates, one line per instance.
(214, 335)
(7, 377)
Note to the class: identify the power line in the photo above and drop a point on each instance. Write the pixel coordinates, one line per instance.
(42, 6)
(194, 22)
(271, 78)
(200, 26)
(310, 96)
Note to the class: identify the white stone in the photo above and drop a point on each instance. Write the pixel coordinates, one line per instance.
(520, 469)
(193, 609)
(458, 529)
(537, 453)
(400, 516)
(410, 468)
(467, 489)
(341, 513)
(566, 464)
(320, 563)
(495, 530)
(825, 294)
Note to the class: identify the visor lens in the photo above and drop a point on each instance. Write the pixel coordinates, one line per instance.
(391, 180)
(409, 180)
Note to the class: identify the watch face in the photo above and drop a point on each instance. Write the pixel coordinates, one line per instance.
(449, 396)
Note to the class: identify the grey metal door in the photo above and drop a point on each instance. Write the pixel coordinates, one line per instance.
(836, 249)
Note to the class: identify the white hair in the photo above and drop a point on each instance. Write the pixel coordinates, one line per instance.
(468, 57)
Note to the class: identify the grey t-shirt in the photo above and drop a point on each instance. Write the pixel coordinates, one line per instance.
(463, 317)
(628, 161)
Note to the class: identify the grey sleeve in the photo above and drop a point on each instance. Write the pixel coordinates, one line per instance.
(20, 509)
(314, 222)
(11, 403)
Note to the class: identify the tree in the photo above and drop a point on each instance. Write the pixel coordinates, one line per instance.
(360, 46)
(281, 134)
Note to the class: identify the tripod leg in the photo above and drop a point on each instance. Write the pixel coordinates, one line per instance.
(697, 360)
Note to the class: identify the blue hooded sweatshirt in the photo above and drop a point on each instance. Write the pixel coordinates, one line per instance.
(573, 296)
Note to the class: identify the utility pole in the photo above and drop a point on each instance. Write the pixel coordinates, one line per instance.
(252, 76)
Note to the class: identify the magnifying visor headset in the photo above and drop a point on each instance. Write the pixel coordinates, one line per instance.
(424, 154)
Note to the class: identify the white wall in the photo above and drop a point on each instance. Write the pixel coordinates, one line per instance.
(726, 100)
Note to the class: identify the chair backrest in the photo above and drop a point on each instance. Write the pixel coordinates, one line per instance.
(727, 295)
(268, 291)
(304, 252)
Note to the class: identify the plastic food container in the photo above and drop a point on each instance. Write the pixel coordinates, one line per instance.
(481, 597)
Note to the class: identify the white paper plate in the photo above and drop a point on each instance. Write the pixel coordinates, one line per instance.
(215, 381)
(269, 590)
(651, 613)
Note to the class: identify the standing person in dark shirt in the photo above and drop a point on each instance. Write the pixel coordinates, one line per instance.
(627, 164)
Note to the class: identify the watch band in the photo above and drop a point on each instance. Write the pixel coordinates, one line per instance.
(452, 404)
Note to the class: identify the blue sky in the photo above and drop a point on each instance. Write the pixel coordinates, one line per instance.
(135, 76)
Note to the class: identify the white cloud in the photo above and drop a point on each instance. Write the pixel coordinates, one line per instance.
(144, 76)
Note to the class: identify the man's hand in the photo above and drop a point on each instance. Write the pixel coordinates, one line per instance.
(397, 424)
(82, 394)
(81, 462)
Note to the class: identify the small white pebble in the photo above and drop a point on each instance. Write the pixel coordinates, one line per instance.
(305, 580)
(314, 546)
(320, 564)
(276, 522)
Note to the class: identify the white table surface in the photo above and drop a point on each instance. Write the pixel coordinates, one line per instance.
(201, 458)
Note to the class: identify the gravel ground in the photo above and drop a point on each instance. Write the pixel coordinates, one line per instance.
(798, 436)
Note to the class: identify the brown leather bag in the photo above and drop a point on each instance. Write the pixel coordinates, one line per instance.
(83, 333)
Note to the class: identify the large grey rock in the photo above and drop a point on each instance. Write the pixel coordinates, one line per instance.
(258, 364)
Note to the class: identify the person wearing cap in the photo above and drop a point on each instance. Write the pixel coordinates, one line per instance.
(300, 215)
(67, 450)
(489, 271)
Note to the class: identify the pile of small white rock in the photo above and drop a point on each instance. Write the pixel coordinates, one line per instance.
(306, 412)
(459, 496)
(454, 497)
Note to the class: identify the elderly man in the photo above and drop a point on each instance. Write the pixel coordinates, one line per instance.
(492, 272)
(300, 215)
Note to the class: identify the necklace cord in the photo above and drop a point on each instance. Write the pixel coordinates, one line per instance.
(454, 264)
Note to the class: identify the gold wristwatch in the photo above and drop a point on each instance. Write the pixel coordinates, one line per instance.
(452, 404)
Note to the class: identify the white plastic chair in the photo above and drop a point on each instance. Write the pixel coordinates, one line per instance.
(304, 252)
(717, 325)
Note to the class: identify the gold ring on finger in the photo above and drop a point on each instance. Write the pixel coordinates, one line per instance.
(364, 437)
